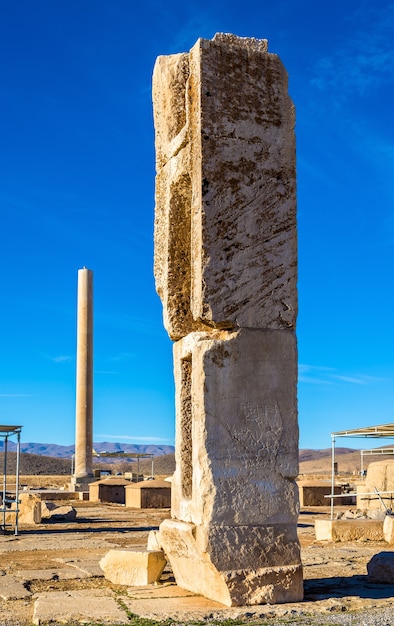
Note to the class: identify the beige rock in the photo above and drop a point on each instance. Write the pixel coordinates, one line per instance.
(380, 476)
(29, 510)
(237, 432)
(225, 227)
(50, 511)
(132, 567)
(349, 530)
(388, 529)
(381, 568)
(244, 566)
(153, 541)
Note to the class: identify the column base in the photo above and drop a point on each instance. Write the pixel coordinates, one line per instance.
(250, 585)
(81, 483)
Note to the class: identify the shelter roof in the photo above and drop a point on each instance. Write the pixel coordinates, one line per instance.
(6, 429)
(157, 483)
(382, 430)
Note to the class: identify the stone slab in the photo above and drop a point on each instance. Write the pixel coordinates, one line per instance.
(45, 574)
(13, 589)
(159, 591)
(133, 567)
(349, 530)
(196, 608)
(86, 606)
(83, 567)
(388, 529)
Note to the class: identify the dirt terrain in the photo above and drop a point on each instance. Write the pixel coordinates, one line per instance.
(335, 573)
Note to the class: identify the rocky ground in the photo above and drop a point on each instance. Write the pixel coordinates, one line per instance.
(58, 562)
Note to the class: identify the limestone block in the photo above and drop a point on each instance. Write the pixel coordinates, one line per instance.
(236, 432)
(153, 541)
(50, 511)
(380, 475)
(250, 579)
(132, 567)
(381, 568)
(388, 529)
(225, 225)
(348, 530)
(29, 510)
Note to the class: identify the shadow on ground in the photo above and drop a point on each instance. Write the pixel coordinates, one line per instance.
(342, 587)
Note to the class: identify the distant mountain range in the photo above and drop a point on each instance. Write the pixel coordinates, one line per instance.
(66, 452)
(42, 458)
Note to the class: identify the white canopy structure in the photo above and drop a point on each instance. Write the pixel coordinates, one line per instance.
(376, 432)
(9, 499)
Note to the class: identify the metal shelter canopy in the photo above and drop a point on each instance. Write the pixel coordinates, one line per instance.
(7, 431)
(7, 500)
(130, 455)
(383, 430)
(375, 432)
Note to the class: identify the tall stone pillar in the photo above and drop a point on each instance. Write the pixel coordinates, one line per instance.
(226, 272)
(83, 472)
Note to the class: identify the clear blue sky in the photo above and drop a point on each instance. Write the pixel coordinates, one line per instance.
(77, 189)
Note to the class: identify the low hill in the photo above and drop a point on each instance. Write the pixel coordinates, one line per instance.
(311, 462)
(66, 452)
(36, 465)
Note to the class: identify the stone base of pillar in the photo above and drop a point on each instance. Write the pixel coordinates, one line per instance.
(81, 483)
(250, 575)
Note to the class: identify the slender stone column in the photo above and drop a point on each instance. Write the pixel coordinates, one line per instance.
(84, 378)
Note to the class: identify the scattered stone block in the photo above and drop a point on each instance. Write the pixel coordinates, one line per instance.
(381, 568)
(50, 511)
(349, 530)
(154, 541)
(13, 589)
(29, 510)
(388, 529)
(132, 567)
(380, 476)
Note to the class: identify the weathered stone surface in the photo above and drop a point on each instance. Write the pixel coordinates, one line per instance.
(388, 529)
(132, 567)
(29, 510)
(262, 569)
(239, 391)
(153, 541)
(225, 229)
(381, 568)
(82, 606)
(380, 476)
(349, 530)
(13, 589)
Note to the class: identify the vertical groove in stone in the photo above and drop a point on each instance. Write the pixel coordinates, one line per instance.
(186, 429)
